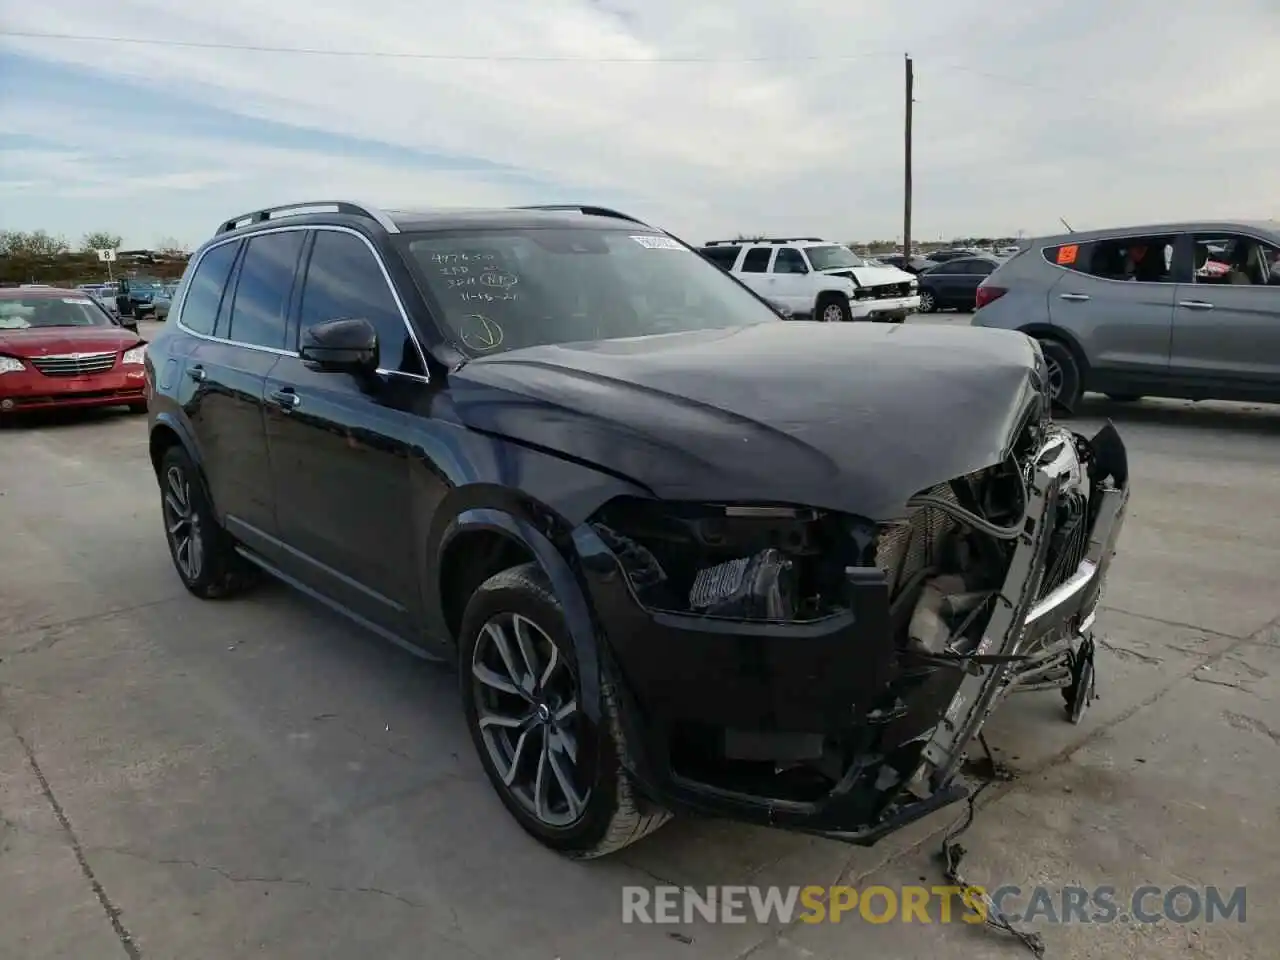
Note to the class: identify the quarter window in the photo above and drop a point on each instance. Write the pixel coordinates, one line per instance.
(258, 315)
(344, 282)
(757, 260)
(724, 257)
(204, 292)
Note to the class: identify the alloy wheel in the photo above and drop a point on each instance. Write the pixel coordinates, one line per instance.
(832, 313)
(182, 525)
(926, 301)
(1054, 370)
(527, 711)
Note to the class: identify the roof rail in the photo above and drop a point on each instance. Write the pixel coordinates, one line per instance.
(300, 209)
(716, 243)
(586, 210)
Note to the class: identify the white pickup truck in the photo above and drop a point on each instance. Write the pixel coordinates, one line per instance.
(817, 278)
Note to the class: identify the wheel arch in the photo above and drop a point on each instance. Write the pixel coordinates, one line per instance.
(1047, 331)
(168, 432)
(481, 541)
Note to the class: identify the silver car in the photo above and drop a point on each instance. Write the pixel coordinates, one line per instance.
(1187, 310)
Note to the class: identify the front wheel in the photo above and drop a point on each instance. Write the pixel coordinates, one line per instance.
(928, 302)
(558, 773)
(833, 308)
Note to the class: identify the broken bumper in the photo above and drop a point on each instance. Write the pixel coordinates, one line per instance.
(727, 687)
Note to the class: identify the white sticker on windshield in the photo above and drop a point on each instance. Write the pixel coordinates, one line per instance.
(652, 242)
(82, 301)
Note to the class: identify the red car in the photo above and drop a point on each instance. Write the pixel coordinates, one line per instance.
(60, 349)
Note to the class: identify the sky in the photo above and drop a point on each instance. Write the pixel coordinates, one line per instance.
(708, 118)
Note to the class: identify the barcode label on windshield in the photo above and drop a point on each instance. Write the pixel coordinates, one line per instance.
(651, 242)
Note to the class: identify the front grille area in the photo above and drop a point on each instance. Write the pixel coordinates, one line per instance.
(907, 547)
(1069, 543)
(884, 291)
(74, 364)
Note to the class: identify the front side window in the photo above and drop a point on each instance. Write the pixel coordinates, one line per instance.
(1235, 259)
(258, 314)
(498, 290)
(36, 313)
(204, 292)
(345, 282)
(832, 256)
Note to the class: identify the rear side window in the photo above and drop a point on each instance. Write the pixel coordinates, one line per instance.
(258, 315)
(757, 260)
(1144, 259)
(204, 292)
(724, 257)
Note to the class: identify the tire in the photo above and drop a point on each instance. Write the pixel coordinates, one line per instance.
(208, 565)
(1066, 382)
(832, 308)
(608, 814)
(928, 302)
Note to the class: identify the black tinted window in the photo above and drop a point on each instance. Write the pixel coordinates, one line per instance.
(722, 256)
(756, 260)
(204, 292)
(981, 267)
(1142, 259)
(344, 281)
(789, 260)
(262, 292)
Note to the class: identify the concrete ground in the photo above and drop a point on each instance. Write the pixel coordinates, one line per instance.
(256, 778)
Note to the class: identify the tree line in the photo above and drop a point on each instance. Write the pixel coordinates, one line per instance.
(38, 256)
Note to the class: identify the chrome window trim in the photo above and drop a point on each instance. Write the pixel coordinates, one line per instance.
(175, 310)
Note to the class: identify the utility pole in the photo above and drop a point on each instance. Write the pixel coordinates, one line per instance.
(906, 193)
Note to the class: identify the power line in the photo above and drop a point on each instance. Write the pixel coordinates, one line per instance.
(445, 57)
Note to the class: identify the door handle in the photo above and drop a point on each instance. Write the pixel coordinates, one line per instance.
(286, 399)
(1195, 304)
(197, 373)
(1075, 297)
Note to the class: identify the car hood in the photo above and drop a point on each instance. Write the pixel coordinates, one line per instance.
(849, 417)
(872, 276)
(40, 341)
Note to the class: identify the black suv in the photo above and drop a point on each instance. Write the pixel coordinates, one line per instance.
(685, 555)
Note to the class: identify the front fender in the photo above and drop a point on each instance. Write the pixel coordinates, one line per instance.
(564, 583)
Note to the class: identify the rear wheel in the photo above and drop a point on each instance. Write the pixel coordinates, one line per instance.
(832, 308)
(1066, 383)
(558, 773)
(202, 552)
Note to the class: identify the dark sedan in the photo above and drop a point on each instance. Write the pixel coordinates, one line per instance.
(954, 284)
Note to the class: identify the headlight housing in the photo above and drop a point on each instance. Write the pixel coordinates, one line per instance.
(137, 354)
(11, 365)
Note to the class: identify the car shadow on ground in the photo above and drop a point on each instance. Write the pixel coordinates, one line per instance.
(68, 417)
(1261, 418)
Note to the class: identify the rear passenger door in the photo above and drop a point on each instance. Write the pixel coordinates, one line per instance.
(341, 447)
(1116, 299)
(229, 368)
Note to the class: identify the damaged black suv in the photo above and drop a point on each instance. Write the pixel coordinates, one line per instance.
(687, 555)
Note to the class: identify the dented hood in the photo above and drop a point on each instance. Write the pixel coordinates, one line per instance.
(852, 417)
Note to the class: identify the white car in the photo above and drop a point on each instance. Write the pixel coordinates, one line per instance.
(818, 279)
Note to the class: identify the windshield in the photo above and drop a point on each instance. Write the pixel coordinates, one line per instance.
(831, 256)
(26, 313)
(501, 290)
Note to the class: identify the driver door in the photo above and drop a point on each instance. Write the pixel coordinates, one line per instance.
(342, 448)
(789, 276)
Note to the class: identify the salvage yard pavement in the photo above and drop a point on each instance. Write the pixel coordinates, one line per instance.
(194, 780)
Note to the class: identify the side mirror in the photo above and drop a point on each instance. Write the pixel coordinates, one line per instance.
(341, 346)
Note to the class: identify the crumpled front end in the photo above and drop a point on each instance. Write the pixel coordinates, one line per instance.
(812, 670)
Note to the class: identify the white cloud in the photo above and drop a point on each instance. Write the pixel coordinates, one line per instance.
(1104, 113)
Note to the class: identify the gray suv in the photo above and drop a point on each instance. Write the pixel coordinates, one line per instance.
(1186, 310)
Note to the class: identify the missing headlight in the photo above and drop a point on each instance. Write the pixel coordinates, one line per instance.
(745, 561)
